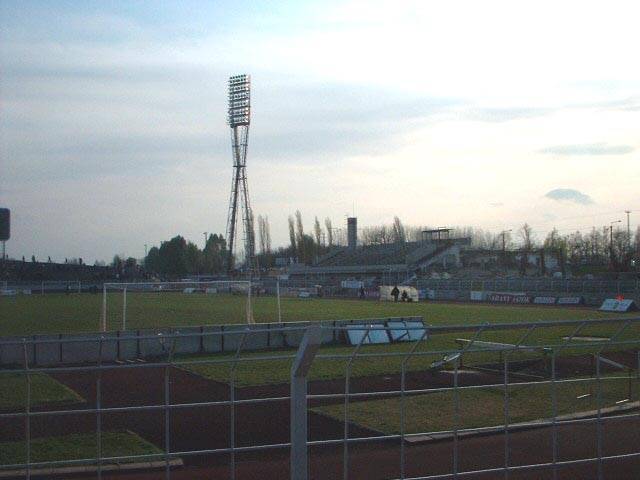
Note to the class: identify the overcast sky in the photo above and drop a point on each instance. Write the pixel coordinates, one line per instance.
(113, 134)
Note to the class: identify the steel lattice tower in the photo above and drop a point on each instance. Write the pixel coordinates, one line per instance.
(239, 116)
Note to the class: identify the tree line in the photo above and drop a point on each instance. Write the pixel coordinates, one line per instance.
(181, 257)
(178, 256)
(303, 247)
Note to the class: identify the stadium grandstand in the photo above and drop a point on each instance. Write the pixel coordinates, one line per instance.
(17, 272)
(383, 263)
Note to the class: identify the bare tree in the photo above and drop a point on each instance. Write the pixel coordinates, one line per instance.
(262, 235)
(251, 233)
(557, 245)
(369, 235)
(399, 235)
(385, 234)
(302, 254)
(327, 225)
(553, 240)
(527, 237)
(292, 234)
(267, 234)
(299, 227)
(318, 232)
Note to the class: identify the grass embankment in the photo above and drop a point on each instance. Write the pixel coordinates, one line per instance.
(482, 407)
(44, 390)
(254, 371)
(76, 447)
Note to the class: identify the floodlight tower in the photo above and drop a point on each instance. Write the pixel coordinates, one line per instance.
(238, 118)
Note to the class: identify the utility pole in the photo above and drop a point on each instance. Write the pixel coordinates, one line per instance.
(628, 230)
(611, 242)
(504, 245)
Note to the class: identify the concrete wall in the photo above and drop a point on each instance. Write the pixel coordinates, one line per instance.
(70, 349)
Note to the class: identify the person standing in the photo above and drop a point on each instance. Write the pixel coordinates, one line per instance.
(394, 293)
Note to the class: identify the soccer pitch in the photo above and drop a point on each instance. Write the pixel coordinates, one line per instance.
(74, 313)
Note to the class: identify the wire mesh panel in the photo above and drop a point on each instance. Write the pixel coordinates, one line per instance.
(514, 400)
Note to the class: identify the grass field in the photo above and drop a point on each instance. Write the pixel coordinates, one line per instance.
(260, 371)
(482, 407)
(54, 313)
(76, 447)
(44, 390)
(81, 312)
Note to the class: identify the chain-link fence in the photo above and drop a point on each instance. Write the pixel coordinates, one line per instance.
(386, 399)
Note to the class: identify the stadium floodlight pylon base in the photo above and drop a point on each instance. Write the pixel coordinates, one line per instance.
(186, 287)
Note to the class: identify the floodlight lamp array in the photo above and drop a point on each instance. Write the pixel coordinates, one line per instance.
(239, 100)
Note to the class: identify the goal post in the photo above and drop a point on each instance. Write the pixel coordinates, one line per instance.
(117, 308)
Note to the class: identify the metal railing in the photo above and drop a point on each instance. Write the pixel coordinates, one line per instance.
(240, 384)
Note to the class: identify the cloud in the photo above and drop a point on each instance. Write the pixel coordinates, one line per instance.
(588, 149)
(569, 195)
(498, 115)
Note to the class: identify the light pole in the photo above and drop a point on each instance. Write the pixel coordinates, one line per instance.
(239, 118)
(205, 240)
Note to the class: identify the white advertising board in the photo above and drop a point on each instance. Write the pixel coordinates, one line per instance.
(375, 334)
(478, 295)
(411, 293)
(614, 305)
(570, 301)
(544, 300)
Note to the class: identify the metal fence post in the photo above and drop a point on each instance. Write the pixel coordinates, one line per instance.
(299, 370)
(104, 308)
(232, 401)
(278, 298)
(250, 319)
(99, 453)
(27, 408)
(124, 309)
(507, 446)
(167, 411)
(403, 387)
(347, 380)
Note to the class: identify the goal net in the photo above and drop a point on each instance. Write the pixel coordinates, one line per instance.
(159, 304)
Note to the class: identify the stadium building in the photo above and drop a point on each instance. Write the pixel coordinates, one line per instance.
(384, 263)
